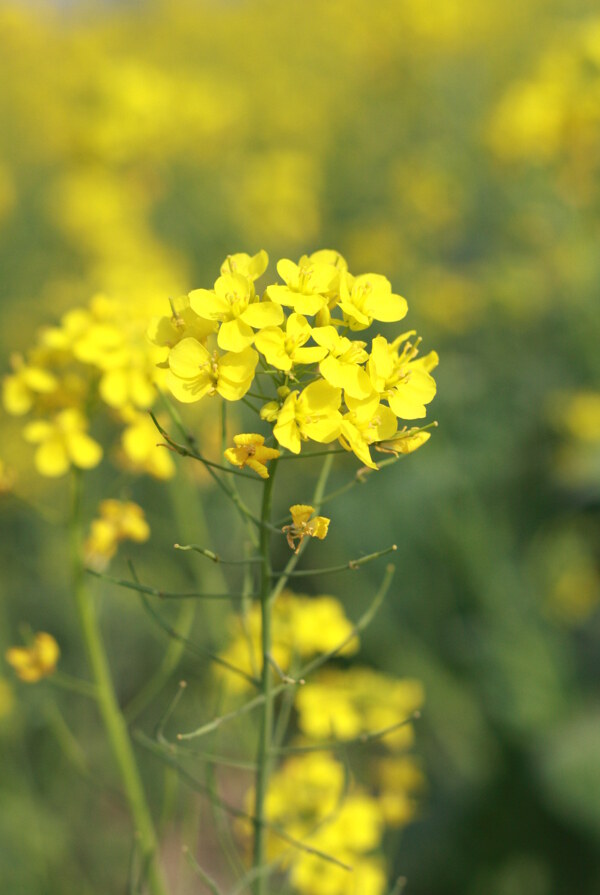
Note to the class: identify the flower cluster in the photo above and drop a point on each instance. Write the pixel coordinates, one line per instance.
(302, 627)
(118, 521)
(97, 359)
(293, 342)
(308, 795)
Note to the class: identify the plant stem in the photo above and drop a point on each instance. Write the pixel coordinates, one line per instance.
(114, 723)
(266, 724)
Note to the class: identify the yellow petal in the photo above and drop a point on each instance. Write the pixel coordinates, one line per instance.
(187, 358)
(263, 313)
(235, 335)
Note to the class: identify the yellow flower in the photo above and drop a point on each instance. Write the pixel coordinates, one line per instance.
(404, 442)
(20, 388)
(250, 266)
(34, 662)
(341, 368)
(233, 302)
(250, 451)
(301, 627)
(346, 704)
(400, 377)
(194, 372)
(118, 521)
(63, 442)
(141, 451)
(366, 423)
(399, 779)
(166, 332)
(304, 526)
(369, 297)
(283, 350)
(308, 285)
(312, 413)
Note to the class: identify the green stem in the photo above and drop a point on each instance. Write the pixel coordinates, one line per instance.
(114, 723)
(266, 724)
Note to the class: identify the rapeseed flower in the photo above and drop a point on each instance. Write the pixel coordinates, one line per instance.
(305, 525)
(312, 413)
(32, 663)
(250, 451)
(118, 521)
(62, 443)
(194, 372)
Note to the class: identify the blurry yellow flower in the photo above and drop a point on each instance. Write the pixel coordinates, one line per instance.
(34, 662)
(20, 388)
(283, 350)
(346, 704)
(118, 521)
(301, 627)
(399, 779)
(233, 302)
(194, 372)
(582, 416)
(304, 526)
(142, 452)
(250, 451)
(312, 413)
(63, 442)
(341, 368)
(369, 297)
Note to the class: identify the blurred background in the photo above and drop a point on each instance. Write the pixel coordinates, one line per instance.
(454, 147)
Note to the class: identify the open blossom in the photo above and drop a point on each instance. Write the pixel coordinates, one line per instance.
(308, 285)
(401, 377)
(235, 305)
(341, 368)
(284, 349)
(367, 298)
(194, 372)
(32, 663)
(305, 524)
(250, 451)
(312, 413)
(250, 266)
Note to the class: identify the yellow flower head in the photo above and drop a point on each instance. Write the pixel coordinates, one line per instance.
(118, 521)
(367, 298)
(250, 451)
(141, 453)
(7, 478)
(304, 526)
(62, 443)
(32, 663)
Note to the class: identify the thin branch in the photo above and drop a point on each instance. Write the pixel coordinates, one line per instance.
(164, 594)
(210, 554)
(353, 564)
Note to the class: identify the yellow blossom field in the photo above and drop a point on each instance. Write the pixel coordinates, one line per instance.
(300, 447)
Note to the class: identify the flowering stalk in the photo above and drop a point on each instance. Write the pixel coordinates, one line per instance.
(266, 722)
(114, 722)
